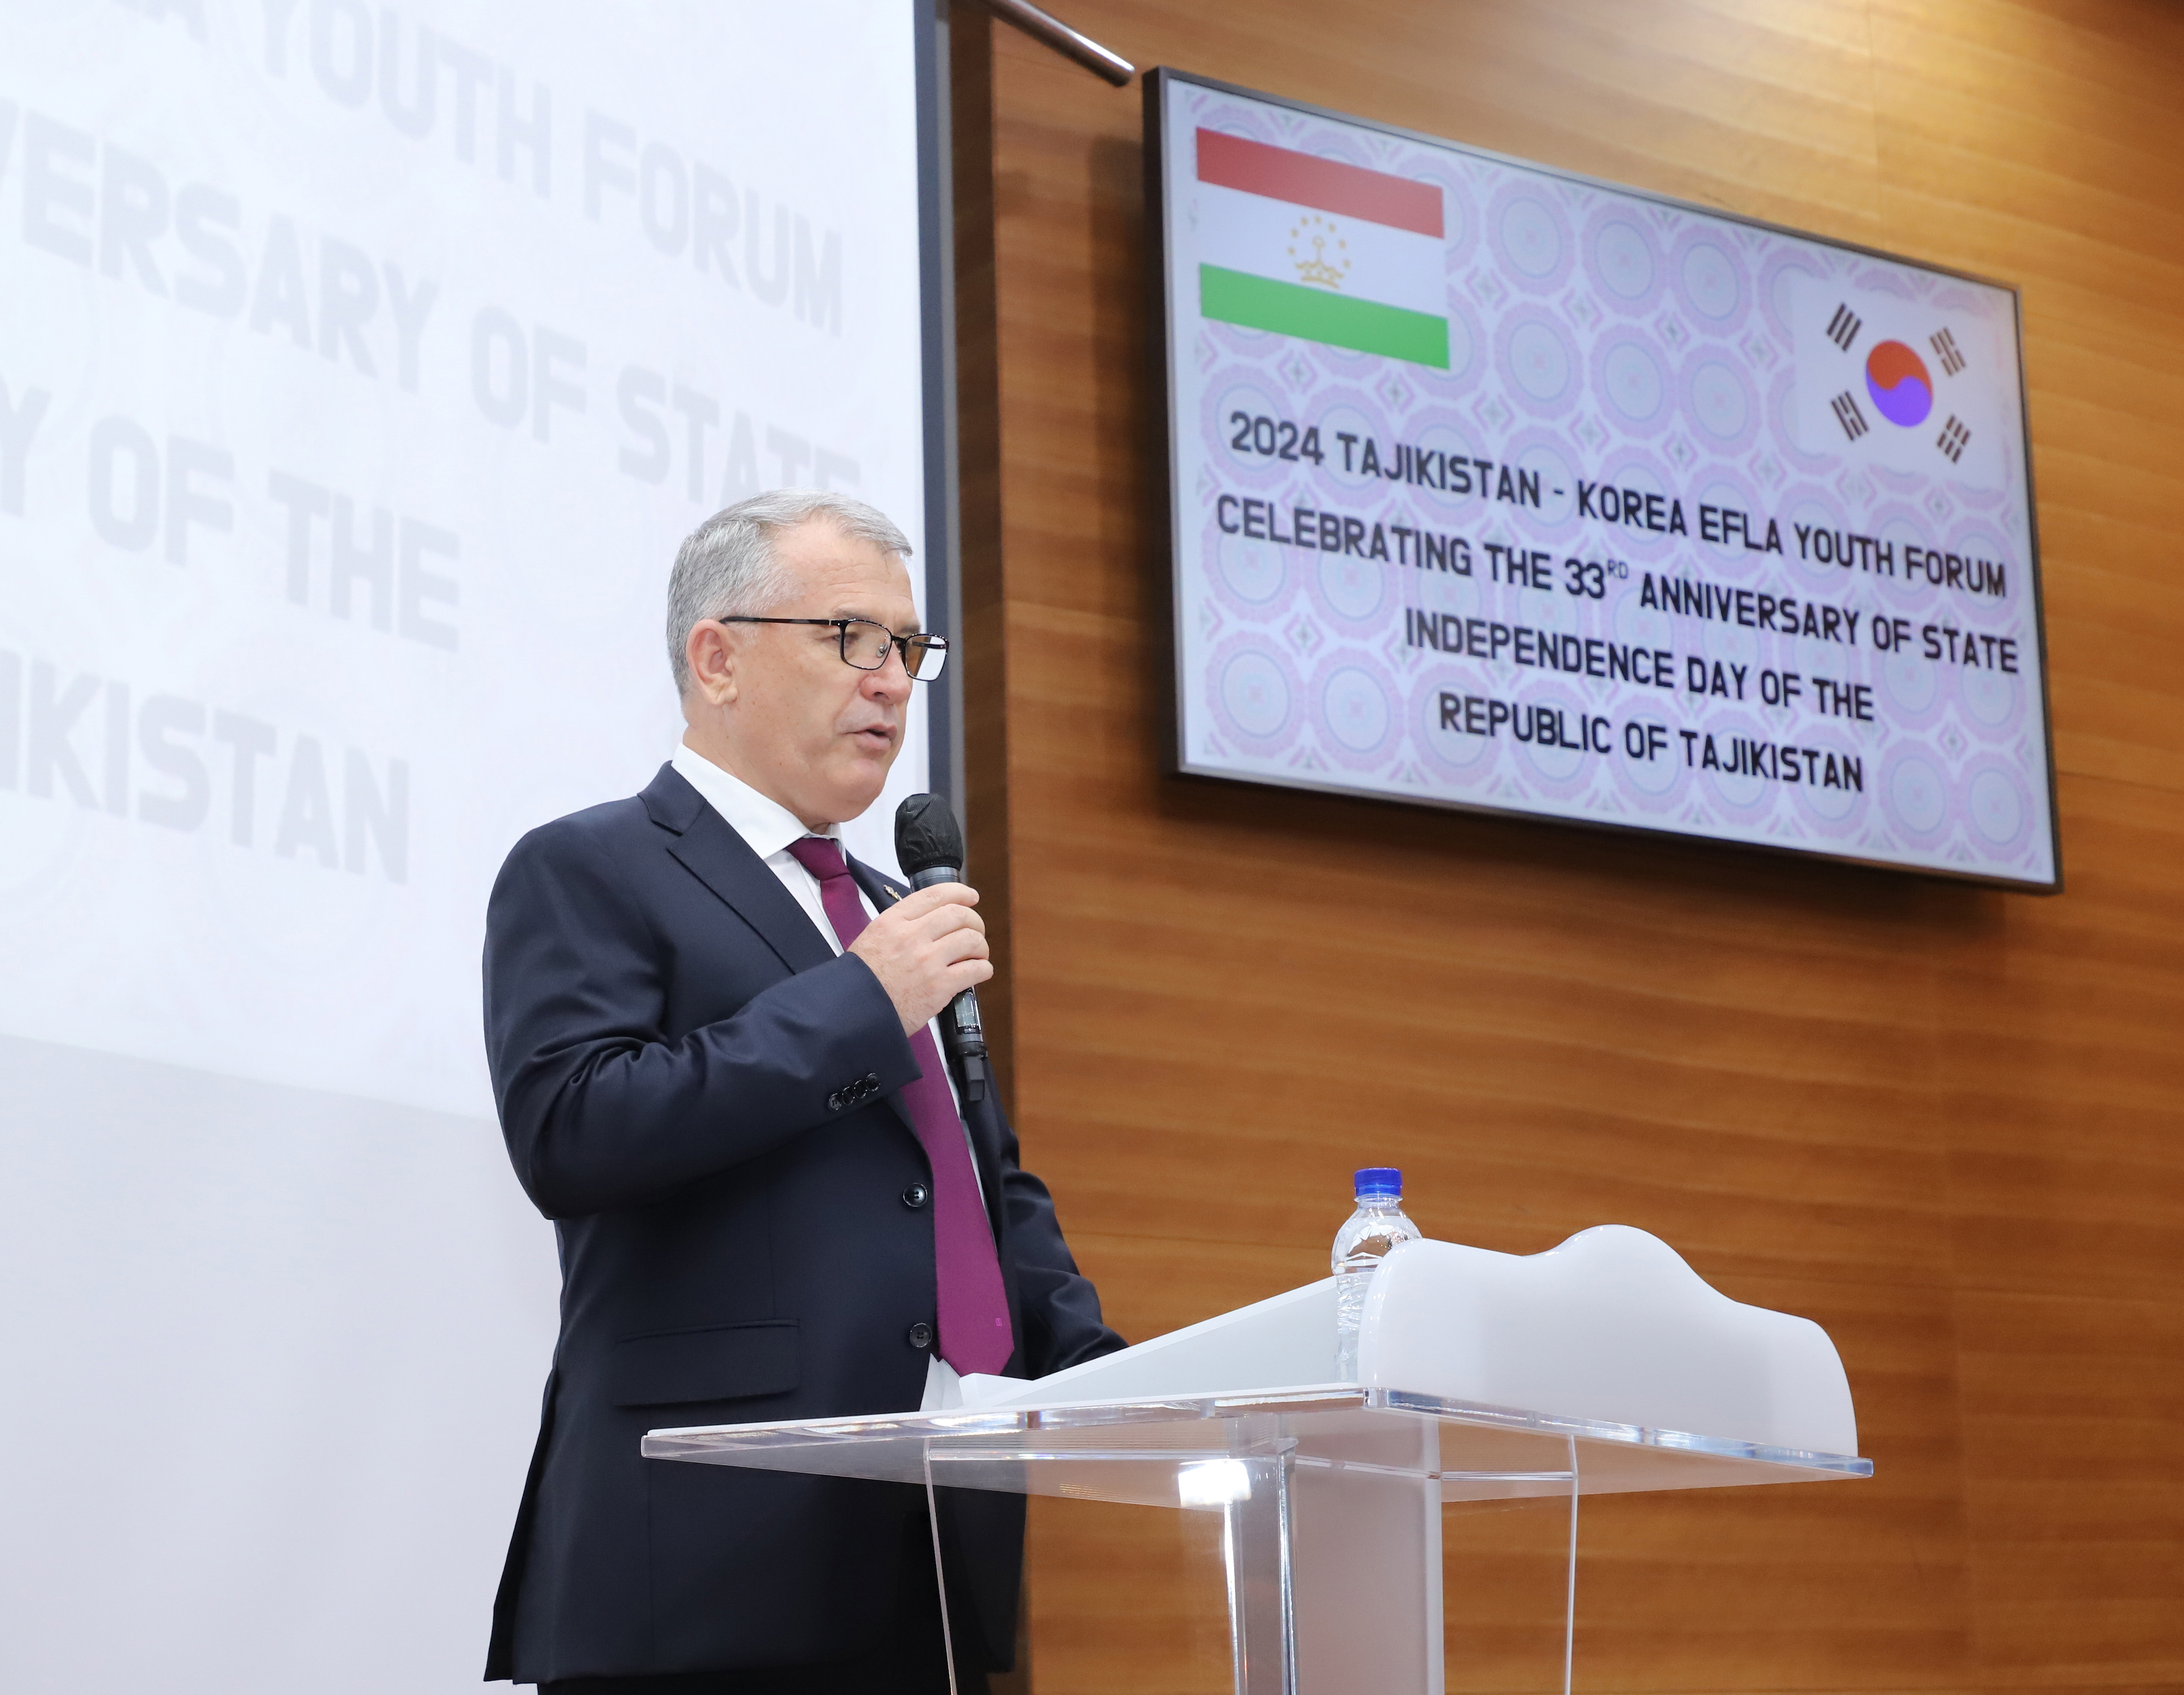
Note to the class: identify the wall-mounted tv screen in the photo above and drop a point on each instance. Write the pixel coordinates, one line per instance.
(1495, 486)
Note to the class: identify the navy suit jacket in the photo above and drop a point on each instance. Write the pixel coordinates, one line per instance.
(703, 1096)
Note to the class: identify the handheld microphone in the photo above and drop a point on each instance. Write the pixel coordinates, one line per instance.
(930, 845)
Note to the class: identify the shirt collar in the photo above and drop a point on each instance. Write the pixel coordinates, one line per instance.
(767, 826)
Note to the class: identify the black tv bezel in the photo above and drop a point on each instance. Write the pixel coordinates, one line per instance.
(1175, 761)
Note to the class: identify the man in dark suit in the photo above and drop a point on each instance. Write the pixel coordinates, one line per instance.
(712, 1042)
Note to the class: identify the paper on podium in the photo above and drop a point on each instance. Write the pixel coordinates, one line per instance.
(1611, 1327)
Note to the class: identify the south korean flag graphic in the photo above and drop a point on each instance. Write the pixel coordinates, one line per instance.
(1904, 384)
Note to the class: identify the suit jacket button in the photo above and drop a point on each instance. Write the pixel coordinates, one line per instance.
(853, 1094)
(916, 1195)
(920, 1336)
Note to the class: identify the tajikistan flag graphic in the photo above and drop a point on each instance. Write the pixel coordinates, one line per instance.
(1312, 248)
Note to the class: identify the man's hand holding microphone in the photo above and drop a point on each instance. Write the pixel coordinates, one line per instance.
(927, 949)
(934, 954)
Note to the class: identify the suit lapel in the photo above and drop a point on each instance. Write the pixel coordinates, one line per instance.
(878, 889)
(701, 840)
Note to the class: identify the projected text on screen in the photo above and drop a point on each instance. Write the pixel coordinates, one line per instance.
(362, 370)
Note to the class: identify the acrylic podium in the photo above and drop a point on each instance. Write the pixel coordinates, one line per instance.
(1605, 1365)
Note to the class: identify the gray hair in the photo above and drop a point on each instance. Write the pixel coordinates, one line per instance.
(728, 568)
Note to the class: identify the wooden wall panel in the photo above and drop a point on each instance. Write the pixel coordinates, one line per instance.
(1946, 1123)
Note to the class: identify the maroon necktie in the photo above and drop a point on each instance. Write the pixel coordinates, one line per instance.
(974, 1311)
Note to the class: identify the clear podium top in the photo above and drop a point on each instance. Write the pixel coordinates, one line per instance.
(1166, 1452)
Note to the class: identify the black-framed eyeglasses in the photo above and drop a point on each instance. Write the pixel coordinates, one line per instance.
(865, 644)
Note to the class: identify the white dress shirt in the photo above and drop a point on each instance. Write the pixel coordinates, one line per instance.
(767, 828)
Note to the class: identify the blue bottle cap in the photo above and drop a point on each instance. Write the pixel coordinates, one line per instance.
(1380, 1180)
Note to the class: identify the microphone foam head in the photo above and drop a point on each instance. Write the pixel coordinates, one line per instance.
(927, 835)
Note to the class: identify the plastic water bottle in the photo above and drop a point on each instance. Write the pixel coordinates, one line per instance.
(1373, 1230)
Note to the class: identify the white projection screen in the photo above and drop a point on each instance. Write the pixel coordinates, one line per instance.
(361, 366)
